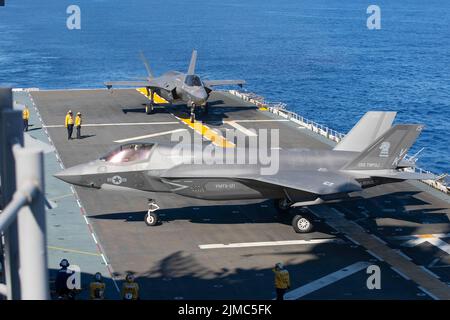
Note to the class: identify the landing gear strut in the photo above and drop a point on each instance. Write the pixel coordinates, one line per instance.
(283, 205)
(149, 108)
(192, 113)
(300, 223)
(151, 218)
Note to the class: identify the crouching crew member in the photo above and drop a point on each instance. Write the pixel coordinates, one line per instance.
(130, 289)
(97, 287)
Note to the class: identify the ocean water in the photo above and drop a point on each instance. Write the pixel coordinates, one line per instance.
(315, 55)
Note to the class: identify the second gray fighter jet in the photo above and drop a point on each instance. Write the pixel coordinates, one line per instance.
(178, 86)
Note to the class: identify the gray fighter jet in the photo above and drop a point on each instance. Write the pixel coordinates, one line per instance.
(177, 86)
(371, 154)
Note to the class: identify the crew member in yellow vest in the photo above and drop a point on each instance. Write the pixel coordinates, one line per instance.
(282, 281)
(78, 122)
(25, 117)
(97, 288)
(69, 124)
(130, 289)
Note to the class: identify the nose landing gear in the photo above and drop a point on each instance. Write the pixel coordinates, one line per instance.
(192, 112)
(151, 218)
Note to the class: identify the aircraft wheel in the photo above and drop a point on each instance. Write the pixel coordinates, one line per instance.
(148, 109)
(301, 224)
(282, 205)
(151, 219)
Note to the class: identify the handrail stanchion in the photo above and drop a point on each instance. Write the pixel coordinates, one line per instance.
(31, 226)
(10, 133)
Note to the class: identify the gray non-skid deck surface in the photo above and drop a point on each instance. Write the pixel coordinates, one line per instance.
(167, 259)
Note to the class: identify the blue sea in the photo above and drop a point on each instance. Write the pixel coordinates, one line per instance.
(316, 56)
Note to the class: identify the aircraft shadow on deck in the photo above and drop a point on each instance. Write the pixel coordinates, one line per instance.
(176, 276)
(217, 111)
(398, 201)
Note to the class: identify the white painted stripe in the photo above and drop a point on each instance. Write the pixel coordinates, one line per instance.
(403, 255)
(401, 273)
(150, 135)
(114, 124)
(444, 246)
(247, 132)
(79, 203)
(374, 255)
(422, 236)
(352, 240)
(413, 243)
(429, 293)
(380, 240)
(95, 239)
(266, 243)
(85, 219)
(326, 280)
(259, 120)
(430, 272)
(104, 259)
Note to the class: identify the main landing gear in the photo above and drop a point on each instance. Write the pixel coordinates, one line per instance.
(300, 223)
(149, 108)
(151, 218)
(205, 110)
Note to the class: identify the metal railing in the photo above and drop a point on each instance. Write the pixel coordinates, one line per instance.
(22, 220)
(280, 109)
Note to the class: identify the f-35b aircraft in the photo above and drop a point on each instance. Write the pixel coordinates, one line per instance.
(372, 153)
(177, 86)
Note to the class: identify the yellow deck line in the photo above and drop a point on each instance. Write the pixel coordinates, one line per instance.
(74, 251)
(157, 98)
(200, 128)
(209, 134)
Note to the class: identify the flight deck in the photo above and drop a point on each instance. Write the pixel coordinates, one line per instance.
(215, 250)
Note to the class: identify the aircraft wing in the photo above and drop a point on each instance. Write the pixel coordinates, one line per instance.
(137, 84)
(212, 83)
(317, 182)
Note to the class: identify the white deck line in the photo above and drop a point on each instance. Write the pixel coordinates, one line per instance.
(114, 124)
(326, 280)
(266, 243)
(150, 135)
(444, 246)
(247, 132)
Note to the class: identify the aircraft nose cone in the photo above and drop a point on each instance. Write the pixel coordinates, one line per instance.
(71, 175)
(200, 96)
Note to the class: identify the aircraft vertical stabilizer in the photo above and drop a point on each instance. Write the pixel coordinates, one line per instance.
(388, 150)
(370, 127)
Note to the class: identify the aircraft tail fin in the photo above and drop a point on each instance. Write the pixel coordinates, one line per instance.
(370, 127)
(146, 64)
(388, 150)
(191, 69)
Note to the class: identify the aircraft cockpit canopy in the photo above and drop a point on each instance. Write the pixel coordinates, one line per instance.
(129, 153)
(193, 81)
